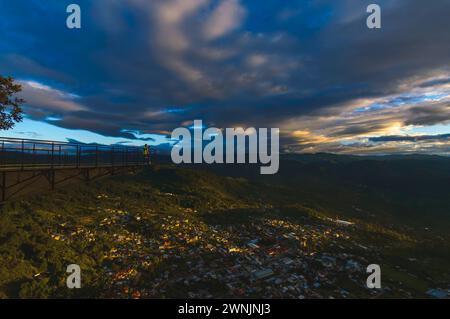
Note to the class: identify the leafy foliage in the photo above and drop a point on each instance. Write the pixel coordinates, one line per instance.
(10, 105)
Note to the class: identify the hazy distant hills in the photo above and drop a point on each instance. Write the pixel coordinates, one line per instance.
(413, 189)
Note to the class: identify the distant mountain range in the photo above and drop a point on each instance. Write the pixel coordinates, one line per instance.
(413, 189)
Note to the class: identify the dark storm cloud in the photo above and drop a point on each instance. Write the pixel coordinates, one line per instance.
(399, 138)
(428, 115)
(433, 83)
(228, 62)
(359, 129)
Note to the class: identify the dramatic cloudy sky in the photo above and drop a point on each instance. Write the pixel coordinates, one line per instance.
(139, 68)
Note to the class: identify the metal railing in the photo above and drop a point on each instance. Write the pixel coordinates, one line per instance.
(34, 154)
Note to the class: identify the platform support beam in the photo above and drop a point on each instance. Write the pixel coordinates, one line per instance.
(3, 186)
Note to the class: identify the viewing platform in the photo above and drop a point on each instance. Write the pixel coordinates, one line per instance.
(25, 161)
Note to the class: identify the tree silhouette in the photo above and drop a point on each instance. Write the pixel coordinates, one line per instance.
(10, 105)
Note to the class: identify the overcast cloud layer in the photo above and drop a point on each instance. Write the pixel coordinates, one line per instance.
(311, 68)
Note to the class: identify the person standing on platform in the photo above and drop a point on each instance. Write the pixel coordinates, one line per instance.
(147, 154)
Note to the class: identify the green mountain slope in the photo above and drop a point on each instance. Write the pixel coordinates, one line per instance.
(211, 232)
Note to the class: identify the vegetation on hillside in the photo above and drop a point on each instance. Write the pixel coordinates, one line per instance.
(90, 224)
